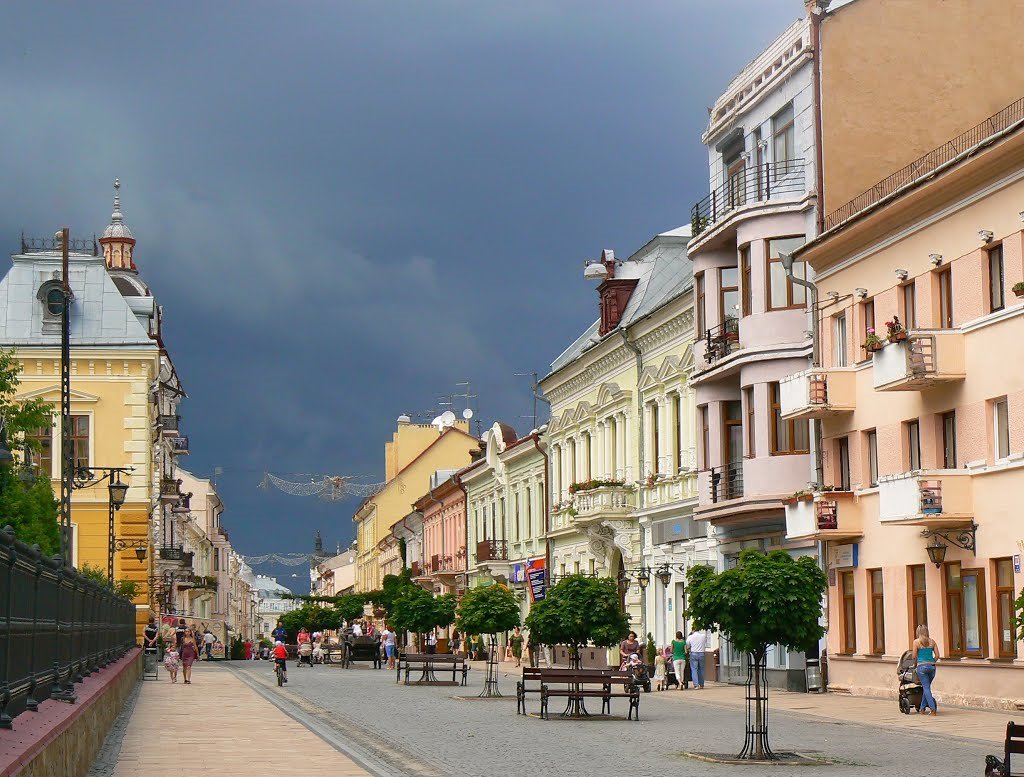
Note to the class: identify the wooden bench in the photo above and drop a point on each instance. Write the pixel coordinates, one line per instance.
(580, 685)
(533, 677)
(1014, 743)
(428, 664)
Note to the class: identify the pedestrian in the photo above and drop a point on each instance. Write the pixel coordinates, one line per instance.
(208, 640)
(189, 654)
(149, 636)
(455, 643)
(357, 630)
(659, 672)
(280, 634)
(388, 640)
(432, 641)
(248, 650)
(179, 634)
(926, 653)
(171, 662)
(517, 645)
(478, 646)
(696, 646)
(628, 647)
(679, 660)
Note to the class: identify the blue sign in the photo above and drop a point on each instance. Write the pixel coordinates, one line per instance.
(538, 583)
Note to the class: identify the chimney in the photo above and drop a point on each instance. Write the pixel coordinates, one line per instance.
(614, 294)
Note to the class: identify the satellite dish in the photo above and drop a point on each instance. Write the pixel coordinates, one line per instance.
(467, 413)
(447, 418)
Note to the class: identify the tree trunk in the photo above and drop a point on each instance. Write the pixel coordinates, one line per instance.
(755, 745)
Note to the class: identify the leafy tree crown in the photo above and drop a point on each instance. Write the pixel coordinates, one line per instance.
(488, 610)
(578, 610)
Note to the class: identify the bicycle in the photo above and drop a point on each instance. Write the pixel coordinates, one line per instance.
(280, 674)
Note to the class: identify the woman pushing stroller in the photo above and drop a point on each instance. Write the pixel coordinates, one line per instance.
(926, 653)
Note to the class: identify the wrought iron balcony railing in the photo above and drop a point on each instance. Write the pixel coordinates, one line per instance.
(169, 424)
(492, 550)
(180, 445)
(772, 180)
(171, 553)
(726, 482)
(721, 340)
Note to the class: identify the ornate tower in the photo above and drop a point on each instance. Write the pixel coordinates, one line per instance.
(117, 240)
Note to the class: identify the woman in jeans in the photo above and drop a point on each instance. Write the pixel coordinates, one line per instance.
(926, 653)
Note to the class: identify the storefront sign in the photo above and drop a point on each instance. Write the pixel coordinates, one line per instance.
(843, 555)
(1016, 563)
(536, 577)
(518, 573)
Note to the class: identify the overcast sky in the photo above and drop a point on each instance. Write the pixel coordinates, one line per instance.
(347, 208)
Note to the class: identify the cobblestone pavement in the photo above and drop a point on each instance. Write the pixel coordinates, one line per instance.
(431, 731)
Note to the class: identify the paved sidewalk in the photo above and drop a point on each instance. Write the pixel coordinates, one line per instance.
(984, 725)
(221, 726)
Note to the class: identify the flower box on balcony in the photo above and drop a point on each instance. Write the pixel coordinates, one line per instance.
(798, 497)
(920, 361)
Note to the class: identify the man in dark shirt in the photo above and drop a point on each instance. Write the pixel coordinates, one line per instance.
(179, 633)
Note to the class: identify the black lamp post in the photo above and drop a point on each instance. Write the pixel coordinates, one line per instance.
(117, 491)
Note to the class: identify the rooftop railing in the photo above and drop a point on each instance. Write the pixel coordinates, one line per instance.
(922, 166)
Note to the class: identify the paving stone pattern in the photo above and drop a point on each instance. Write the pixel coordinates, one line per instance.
(431, 732)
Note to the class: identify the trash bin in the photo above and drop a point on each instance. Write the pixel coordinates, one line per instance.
(812, 675)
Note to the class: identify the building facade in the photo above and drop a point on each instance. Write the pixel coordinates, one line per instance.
(923, 432)
(621, 435)
(440, 566)
(752, 320)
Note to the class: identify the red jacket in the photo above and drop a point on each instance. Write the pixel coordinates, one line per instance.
(280, 651)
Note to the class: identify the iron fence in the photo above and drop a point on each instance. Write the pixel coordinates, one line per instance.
(726, 482)
(56, 627)
(965, 141)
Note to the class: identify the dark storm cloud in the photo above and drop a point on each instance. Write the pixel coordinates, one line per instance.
(347, 207)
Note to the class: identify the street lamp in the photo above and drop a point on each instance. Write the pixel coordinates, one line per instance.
(936, 551)
(117, 491)
(643, 578)
(664, 574)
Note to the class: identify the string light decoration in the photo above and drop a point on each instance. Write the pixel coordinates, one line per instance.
(330, 488)
(286, 559)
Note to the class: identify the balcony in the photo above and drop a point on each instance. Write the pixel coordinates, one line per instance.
(726, 482)
(179, 445)
(920, 361)
(721, 340)
(603, 503)
(170, 490)
(830, 515)
(187, 559)
(752, 186)
(415, 570)
(171, 553)
(168, 425)
(492, 550)
(926, 498)
(205, 582)
(818, 393)
(667, 489)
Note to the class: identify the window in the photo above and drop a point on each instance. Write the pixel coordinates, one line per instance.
(517, 534)
(945, 279)
(913, 444)
(839, 339)
(759, 147)
(652, 457)
(877, 611)
(867, 320)
(782, 292)
(909, 294)
(677, 432)
(734, 169)
(872, 440)
(80, 440)
(748, 399)
(1000, 429)
(949, 440)
(587, 453)
(965, 604)
(849, 613)
(996, 300)
(729, 283)
(40, 456)
(918, 598)
(1004, 608)
(527, 497)
(613, 448)
(576, 567)
(732, 431)
(705, 436)
(572, 460)
(783, 136)
(698, 283)
(843, 462)
(745, 280)
(787, 436)
(590, 566)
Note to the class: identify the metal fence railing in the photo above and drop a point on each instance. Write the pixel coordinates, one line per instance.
(758, 183)
(965, 141)
(56, 627)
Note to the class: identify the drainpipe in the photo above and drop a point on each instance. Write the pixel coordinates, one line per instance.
(640, 455)
(816, 9)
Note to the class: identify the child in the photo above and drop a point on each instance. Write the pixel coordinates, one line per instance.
(281, 657)
(659, 672)
(171, 662)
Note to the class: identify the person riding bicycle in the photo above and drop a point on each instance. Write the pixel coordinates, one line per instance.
(281, 658)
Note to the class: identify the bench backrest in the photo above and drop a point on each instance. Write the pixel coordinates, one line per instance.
(1014, 742)
(585, 677)
(435, 658)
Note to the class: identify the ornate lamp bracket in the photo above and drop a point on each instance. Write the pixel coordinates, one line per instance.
(962, 538)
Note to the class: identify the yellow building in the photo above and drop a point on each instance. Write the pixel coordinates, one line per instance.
(119, 374)
(415, 452)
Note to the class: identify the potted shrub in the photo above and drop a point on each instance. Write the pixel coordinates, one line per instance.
(1018, 288)
(798, 496)
(896, 332)
(873, 342)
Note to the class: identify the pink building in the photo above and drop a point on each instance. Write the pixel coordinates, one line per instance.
(923, 430)
(442, 566)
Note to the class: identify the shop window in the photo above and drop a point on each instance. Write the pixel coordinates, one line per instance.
(877, 611)
(1007, 635)
(849, 613)
(965, 607)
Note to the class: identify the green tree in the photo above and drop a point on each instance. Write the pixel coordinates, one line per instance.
(392, 588)
(766, 599)
(27, 505)
(578, 610)
(314, 617)
(419, 612)
(488, 610)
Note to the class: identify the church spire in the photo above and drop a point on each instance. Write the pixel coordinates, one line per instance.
(117, 240)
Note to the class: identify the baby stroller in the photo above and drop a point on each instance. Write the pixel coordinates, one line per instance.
(910, 691)
(305, 654)
(634, 664)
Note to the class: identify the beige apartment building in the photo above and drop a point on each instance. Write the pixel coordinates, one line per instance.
(923, 433)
